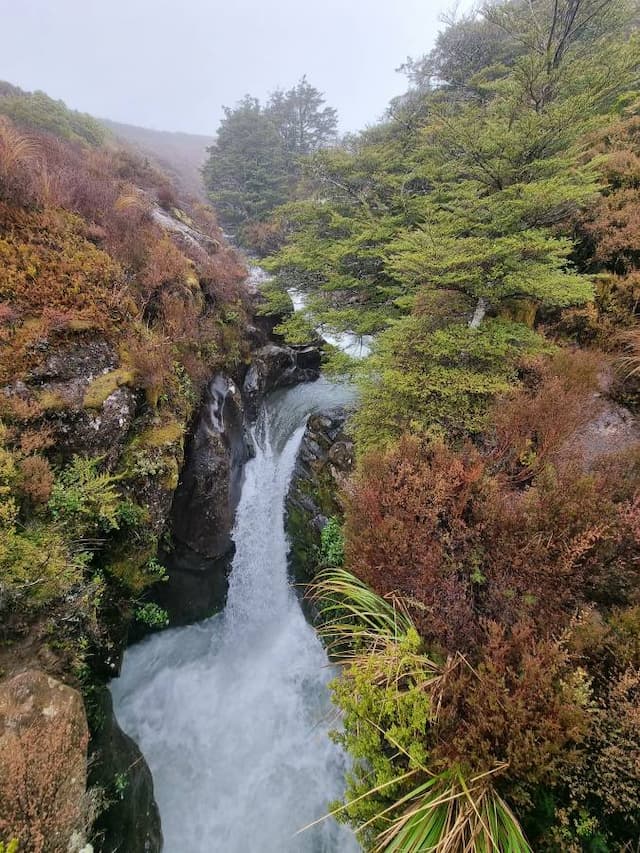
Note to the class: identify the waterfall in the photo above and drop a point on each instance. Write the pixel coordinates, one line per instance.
(233, 714)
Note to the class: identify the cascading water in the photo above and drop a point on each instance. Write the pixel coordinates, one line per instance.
(233, 714)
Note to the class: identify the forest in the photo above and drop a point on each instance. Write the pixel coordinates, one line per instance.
(481, 588)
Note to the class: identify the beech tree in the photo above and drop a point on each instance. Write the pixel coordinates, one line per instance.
(303, 123)
(254, 164)
(246, 172)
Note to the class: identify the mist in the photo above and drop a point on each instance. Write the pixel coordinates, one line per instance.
(173, 66)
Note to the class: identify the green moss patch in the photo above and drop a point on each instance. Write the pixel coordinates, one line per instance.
(169, 433)
(104, 385)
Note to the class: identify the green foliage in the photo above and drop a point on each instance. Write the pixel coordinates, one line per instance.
(277, 302)
(40, 112)
(303, 123)
(37, 565)
(84, 500)
(12, 846)
(332, 544)
(246, 171)
(152, 615)
(388, 694)
(120, 785)
(36, 562)
(254, 163)
(297, 329)
(437, 381)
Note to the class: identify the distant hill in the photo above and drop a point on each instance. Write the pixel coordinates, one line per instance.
(180, 154)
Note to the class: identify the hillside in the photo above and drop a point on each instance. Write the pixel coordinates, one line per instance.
(181, 155)
(119, 300)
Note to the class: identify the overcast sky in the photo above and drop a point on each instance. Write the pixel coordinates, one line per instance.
(173, 64)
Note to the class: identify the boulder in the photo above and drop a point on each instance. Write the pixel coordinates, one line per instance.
(324, 461)
(131, 821)
(43, 763)
(276, 367)
(204, 505)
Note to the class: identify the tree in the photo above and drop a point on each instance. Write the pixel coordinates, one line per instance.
(301, 121)
(254, 165)
(246, 173)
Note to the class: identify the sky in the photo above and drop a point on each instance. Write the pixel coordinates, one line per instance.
(173, 64)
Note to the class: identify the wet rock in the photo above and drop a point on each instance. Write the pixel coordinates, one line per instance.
(323, 464)
(43, 751)
(131, 821)
(204, 506)
(276, 367)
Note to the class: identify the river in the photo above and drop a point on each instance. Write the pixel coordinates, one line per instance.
(232, 714)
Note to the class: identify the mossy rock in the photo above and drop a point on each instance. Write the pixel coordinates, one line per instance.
(52, 401)
(170, 481)
(131, 569)
(171, 432)
(103, 386)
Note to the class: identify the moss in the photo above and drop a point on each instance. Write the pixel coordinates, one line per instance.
(104, 385)
(52, 401)
(169, 433)
(170, 481)
(131, 569)
(305, 542)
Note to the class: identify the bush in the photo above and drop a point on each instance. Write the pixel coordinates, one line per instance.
(38, 770)
(152, 615)
(84, 501)
(332, 544)
(441, 381)
(36, 479)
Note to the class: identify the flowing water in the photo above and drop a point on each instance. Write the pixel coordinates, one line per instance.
(233, 714)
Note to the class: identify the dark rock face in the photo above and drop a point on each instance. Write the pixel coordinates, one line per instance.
(203, 509)
(276, 367)
(131, 821)
(325, 460)
(85, 398)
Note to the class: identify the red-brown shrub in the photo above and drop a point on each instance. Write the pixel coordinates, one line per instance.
(39, 770)
(409, 529)
(151, 358)
(520, 706)
(36, 479)
(464, 545)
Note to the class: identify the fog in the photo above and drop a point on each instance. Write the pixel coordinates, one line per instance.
(173, 65)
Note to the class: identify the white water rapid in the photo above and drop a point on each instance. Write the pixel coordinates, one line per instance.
(233, 714)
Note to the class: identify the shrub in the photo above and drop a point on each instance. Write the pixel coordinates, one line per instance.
(39, 764)
(532, 425)
(150, 356)
(441, 381)
(463, 544)
(85, 501)
(19, 157)
(332, 544)
(409, 530)
(152, 615)
(36, 479)
(36, 566)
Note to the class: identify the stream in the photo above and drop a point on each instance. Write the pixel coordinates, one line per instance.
(233, 713)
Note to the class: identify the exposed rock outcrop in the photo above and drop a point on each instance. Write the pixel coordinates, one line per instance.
(131, 821)
(43, 763)
(84, 396)
(204, 506)
(325, 460)
(276, 367)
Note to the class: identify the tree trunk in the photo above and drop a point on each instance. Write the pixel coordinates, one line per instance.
(479, 313)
